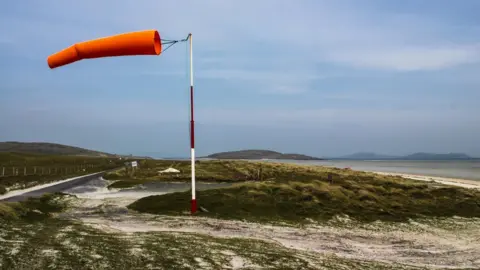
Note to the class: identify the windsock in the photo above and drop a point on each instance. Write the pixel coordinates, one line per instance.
(135, 43)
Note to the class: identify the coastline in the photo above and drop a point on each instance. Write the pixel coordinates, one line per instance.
(465, 183)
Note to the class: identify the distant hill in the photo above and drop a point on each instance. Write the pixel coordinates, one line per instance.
(429, 156)
(48, 149)
(415, 156)
(367, 156)
(260, 154)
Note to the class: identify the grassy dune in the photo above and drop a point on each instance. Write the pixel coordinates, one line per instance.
(206, 171)
(284, 192)
(33, 238)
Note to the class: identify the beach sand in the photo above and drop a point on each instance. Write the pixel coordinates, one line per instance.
(442, 180)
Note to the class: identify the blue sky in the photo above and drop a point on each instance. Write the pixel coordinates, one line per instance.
(324, 78)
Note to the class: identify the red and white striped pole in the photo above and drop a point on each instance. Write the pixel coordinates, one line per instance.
(192, 131)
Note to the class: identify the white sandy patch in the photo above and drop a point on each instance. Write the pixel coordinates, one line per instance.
(228, 252)
(237, 262)
(136, 251)
(413, 244)
(96, 256)
(23, 191)
(442, 180)
(10, 241)
(14, 251)
(115, 196)
(50, 252)
(67, 243)
(201, 262)
(67, 229)
(99, 194)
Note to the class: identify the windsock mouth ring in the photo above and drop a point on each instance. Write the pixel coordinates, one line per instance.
(157, 43)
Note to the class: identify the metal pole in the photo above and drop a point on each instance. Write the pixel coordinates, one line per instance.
(192, 130)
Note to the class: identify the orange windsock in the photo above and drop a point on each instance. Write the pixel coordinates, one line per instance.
(134, 43)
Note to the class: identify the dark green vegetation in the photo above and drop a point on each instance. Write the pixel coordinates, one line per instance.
(33, 209)
(260, 154)
(20, 170)
(206, 171)
(283, 192)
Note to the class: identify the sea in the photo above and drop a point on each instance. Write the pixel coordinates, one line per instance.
(462, 169)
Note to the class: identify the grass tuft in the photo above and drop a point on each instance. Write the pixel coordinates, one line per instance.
(33, 209)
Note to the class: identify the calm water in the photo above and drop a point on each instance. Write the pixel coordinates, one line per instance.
(453, 169)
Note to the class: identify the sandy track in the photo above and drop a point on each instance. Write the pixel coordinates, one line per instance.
(449, 243)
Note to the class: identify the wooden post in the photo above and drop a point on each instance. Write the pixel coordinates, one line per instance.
(3, 171)
(24, 171)
(35, 170)
(13, 171)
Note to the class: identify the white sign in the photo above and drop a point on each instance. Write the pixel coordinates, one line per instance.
(134, 164)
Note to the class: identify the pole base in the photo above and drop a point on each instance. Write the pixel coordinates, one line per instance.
(194, 206)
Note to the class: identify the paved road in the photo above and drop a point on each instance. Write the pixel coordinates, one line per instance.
(55, 188)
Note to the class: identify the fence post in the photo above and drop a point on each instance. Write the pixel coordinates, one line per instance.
(35, 170)
(24, 171)
(3, 171)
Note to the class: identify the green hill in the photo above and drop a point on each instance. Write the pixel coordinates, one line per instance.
(259, 154)
(48, 149)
